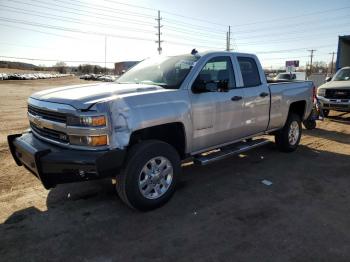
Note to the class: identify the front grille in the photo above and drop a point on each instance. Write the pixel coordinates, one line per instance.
(338, 93)
(51, 134)
(46, 114)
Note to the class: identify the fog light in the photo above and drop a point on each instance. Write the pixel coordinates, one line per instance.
(89, 140)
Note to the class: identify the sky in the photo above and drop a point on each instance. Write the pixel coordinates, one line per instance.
(81, 31)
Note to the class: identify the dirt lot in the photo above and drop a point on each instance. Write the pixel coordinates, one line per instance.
(220, 213)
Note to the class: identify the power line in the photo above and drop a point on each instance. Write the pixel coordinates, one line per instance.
(196, 39)
(244, 24)
(109, 9)
(106, 9)
(274, 28)
(207, 21)
(104, 18)
(39, 31)
(291, 50)
(288, 39)
(166, 12)
(187, 25)
(94, 14)
(119, 36)
(288, 32)
(86, 32)
(73, 20)
(119, 27)
(297, 16)
(71, 29)
(281, 58)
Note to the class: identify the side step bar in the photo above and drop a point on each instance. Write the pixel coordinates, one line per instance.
(235, 149)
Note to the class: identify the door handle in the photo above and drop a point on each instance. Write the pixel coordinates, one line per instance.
(236, 98)
(263, 94)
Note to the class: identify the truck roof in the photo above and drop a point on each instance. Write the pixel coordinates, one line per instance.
(222, 52)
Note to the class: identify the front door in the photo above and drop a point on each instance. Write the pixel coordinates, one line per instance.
(216, 105)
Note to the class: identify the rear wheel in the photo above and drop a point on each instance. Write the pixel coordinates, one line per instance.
(149, 178)
(288, 138)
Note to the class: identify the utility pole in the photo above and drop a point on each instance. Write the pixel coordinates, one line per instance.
(333, 53)
(311, 57)
(105, 55)
(228, 39)
(159, 26)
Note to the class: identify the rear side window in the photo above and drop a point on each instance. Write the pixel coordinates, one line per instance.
(250, 72)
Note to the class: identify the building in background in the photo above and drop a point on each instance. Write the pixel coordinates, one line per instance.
(343, 56)
(121, 67)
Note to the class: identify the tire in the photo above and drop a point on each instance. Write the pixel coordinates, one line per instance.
(325, 112)
(309, 124)
(142, 172)
(283, 140)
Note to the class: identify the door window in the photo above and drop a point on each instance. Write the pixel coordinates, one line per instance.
(250, 72)
(217, 75)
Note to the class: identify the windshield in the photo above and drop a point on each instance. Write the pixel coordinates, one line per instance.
(342, 75)
(168, 72)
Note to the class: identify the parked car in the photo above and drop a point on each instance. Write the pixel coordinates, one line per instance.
(335, 93)
(290, 76)
(286, 76)
(159, 113)
(30, 76)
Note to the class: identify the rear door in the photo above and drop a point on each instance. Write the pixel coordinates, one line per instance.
(256, 95)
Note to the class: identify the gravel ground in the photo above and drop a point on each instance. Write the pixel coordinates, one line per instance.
(220, 212)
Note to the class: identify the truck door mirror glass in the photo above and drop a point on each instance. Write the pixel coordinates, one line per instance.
(328, 78)
(202, 86)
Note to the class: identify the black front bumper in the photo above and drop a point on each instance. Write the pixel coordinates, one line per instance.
(55, 165)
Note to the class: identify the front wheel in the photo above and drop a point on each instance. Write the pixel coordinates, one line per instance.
(309, 124)
(149, 178)
(288, 138)
(325, 112)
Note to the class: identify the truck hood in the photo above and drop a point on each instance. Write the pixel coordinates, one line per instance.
(84, 96)
(336, 85)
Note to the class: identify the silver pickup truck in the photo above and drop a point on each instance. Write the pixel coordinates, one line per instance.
(165, 110)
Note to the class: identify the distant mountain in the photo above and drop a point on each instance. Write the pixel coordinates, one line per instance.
(18, 65)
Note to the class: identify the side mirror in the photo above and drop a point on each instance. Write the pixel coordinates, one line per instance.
(328, 78)
(198, 86)
(201, 86)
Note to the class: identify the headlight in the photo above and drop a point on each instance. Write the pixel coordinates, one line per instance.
(101, 140)
(86, 121)
(321, 92)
